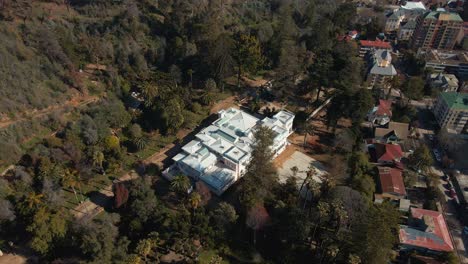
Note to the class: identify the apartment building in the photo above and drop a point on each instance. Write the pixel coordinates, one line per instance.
(454, 62)
(437, 30)
(451, 111)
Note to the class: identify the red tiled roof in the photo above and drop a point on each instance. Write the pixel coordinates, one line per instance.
(384, 108)
(376, 44)
(436, 239)
(391, 181)
(388, 152)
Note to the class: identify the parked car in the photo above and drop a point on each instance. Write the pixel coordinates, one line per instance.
(465, 232)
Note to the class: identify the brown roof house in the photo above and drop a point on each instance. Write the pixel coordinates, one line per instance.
(391, 183)
(395, 133)
(385, 154)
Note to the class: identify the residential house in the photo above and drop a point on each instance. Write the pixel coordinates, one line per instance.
(380, 114)
(381, 68)
(451, 111)
(443, 82)
(437, 30)
(396, 133)
(366, 46)
(351, 35)
(219, 154)
(391, 183)
(386, 154)
(426, 232)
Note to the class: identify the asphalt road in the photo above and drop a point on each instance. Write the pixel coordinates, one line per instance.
(448, 204)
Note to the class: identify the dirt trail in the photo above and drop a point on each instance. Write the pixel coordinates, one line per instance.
(12, 259)
(74, 102)
(224, 104)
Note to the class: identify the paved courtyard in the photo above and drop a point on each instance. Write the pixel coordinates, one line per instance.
(302, 162)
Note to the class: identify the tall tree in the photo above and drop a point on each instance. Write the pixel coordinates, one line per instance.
(377, 234)
(46, 227)
(261, 175)
(319, 72)
(247, 54)
(421, 158)
(414, 88)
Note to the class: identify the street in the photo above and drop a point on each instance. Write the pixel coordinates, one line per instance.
(451, 216)
(448, 204)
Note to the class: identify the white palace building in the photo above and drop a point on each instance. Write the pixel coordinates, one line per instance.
(220, 153)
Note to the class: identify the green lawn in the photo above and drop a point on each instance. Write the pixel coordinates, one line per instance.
(206, 256)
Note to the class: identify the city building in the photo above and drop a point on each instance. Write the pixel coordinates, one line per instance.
(443, 82)
(219, 154)
(366, 46)
(426, 232)
(451, 111)
(381, 68)
(380, 114)
(391, 183)
(401, 16)
(454, 62)
(437, 30)
(406, 31)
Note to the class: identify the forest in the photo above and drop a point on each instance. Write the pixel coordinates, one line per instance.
(180, 57)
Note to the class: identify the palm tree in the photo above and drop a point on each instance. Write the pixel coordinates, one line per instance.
(339, 213)
(180, 184)
(149, 92)
(70, 180)
(323, 209)
(144, 248)
(392, 83)
(34, 199)
(311, 172)
(331, 251)
(98, 159)
(353, 259)
(313, 190)
(195, 200)
(190, 73)
(308, 130)
(141, 143)
(294, 171)
(207, 98)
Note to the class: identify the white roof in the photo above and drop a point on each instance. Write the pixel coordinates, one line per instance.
(235, 154)
(229, 137)
(284, 116)
(414, 5)
(220, 146)
(192, 146)
(236, 120)
(200, 162)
